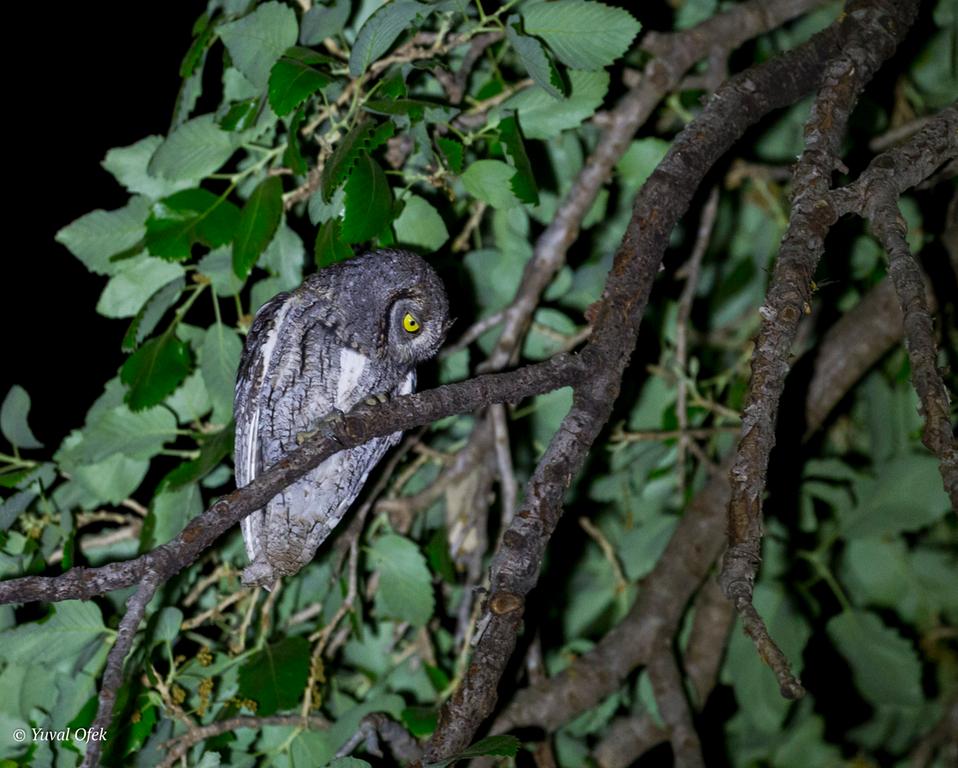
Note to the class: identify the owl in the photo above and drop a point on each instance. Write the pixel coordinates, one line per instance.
(352, 330)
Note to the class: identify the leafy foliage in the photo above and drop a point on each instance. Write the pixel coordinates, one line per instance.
(334, 129)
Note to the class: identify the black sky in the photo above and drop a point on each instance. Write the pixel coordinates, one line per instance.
(82, 78)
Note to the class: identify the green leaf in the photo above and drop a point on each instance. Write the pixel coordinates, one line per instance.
(284, 258)
(549, 332)
(213, 449)
(219, 361)
(130, 288)
(320, 22)
(502, 745)
(170, 511)
(150, 314)
(155, 370)
(496, 271)
(420, 721)
(884, 665)
(13, 419)
(533, 56)
(491, 182)
(915, 583)
(639, 548)
(906, 494)
(190, 401)
(934, 72)
(113, 479)
(241, 115)
(293, 155)
(405, 585)
(380, 32)
(136, 732)
(167, 625)
(543, 117)
(217, 265)
(453, 151)
(414, 109)
(804, 743)
(369, 201)
(523, 183)
(202, 39)
(581, 33)
(420, 224)
(98, 235)
(276, 676)
(119, 430)
(294, 78)
(64, 634)
(321, 211)
(329, 246)
(128, 166)
(341, 162)
(193, 150)
(257, 40)
(639, 160)
(192, 216)
(257, 224)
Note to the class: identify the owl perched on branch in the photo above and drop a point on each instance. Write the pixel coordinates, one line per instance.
(353, 330)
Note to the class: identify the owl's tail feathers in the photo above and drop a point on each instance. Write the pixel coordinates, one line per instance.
(259, 574)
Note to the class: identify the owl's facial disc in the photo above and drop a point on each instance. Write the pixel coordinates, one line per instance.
(415, 329)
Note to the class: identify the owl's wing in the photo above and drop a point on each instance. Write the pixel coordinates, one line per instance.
(254, 365)
(300, 518)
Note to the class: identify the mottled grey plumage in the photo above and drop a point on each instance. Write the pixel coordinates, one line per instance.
(324, 347)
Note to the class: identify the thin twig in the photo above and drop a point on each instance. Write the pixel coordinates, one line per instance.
(472, 333)
(691, 271)
(179, 746)
(201, 618)
(113, 673)
(873, 37)
(608, 551)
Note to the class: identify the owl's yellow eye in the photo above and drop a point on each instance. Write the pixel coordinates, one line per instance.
(410, 323)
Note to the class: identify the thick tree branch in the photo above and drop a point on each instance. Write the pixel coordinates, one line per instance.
(628, 738)
(706, 647)
(674, 707)
(659, 205)
(903, 167)
(378, 726)
(674, 54)
(874, 195)
(875, 31)
(860, 338)
(889, 226)
(653, 618)
(666, 590)
(356, 427)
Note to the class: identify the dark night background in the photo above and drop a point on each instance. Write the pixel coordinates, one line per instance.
(103, 75)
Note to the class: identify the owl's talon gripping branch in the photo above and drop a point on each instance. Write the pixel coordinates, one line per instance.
(325, 427)
(377, 399)
(351, 333)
